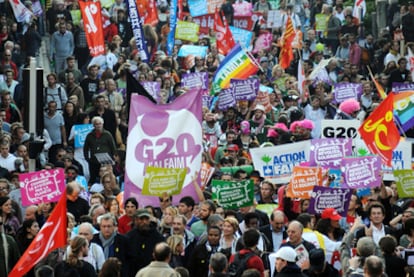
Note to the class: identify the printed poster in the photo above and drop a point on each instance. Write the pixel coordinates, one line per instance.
(361, 172)
(187, 31)
(245, 89)
(323, 197)
(195, 80)
(405, 182)
(329, 152)
(81, 131)
(277, 162)
(233, 194)
(303, 180)
(43, 186)
(159, 181)
(345, 91)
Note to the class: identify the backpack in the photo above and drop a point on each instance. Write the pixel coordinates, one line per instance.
(46, 94)
(239, 264)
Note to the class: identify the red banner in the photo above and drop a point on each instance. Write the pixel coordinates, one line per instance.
(91, 14)
(225, 41)
(206, 23)
(243, 22)
(52, 235)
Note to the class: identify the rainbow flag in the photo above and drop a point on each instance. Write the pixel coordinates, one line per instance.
(404, 109)
(236, 65)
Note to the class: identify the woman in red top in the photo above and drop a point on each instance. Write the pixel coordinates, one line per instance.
(125, 222)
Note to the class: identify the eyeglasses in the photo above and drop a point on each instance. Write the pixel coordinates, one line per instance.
(7, 55)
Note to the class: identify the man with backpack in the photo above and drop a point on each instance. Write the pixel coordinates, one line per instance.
(54, 92)
(247, 257)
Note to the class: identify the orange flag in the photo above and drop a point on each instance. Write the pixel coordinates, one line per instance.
(286, 53)
(379, 131)
(151, 17)
(379, 88)
(52, 235)
(225, 41)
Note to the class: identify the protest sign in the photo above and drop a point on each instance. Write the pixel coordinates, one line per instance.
(335, 177)
(405, 182)
(263, 42)
(274, 19)
(262, 98)
(243, 22)
(187, 31)
(320, 22)
(401, 157)
(43, 186)
(206, 100)
(344, 91)
(340, 128)
(195, 80)
(81, 131)
(153, 88)
(277, 162)
(197, 7)
(206, 173)
(323, 197)
(329, 152)
(159, 181)
(303, 180)
(226, 99)
(160, 142)
(233, 194)
(400, 87)
(192, 50)
(361, 172)
(241, 36)
(245, 89)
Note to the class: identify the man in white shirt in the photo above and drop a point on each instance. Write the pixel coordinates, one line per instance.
(6, 159)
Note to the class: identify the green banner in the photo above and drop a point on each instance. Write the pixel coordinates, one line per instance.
(159, 181)
(320, 21)
(405, 182)
(233, 194)
(187, 31)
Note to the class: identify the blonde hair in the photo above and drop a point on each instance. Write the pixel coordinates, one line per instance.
(233, 222)
(173, 241)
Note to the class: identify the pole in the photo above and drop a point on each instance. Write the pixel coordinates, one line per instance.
(32, 107)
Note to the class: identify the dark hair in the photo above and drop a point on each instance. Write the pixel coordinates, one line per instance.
(304, 219)
(249, 216)
(251, 238)
(251, 272)
(376, 205)
(131, 200)
(182, 271)
(188, 201)
(213, 227)
(388, 244)
(111, 268)
(210, 204)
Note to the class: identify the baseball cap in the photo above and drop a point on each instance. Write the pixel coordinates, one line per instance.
(260, 108)
(330, 213)
(142, 213)
(316, 260)
(286, 253)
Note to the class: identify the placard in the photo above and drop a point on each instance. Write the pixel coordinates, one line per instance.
(241, 36)
(160, 181)
(187, 31)
(405, 182)
(153, 88)
(233, 194)
(323, 197)
(245, 89)
(81, 131)
(361, 172)
(192, 50)
(195, 80)
(43, 186)
(340, 128)
(345, 91)
(329, 152)
(303, 180)
(400, 87)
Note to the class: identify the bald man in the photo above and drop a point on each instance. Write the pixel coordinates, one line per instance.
(159, 267)
(275, 232)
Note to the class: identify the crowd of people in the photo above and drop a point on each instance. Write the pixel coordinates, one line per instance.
(112, 236)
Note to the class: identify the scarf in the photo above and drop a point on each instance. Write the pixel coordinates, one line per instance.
(260, 123)
(106, 243)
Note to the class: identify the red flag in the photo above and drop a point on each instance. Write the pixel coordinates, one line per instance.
(91, 14)
(286, 53)
(224, 37)
(52, 235)
(379, 131)
(151, 17)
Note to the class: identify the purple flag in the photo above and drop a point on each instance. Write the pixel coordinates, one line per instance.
(324, 197)
(165, 136)
(245, 89)
(329, 152)
(361, 172)
(344, 91)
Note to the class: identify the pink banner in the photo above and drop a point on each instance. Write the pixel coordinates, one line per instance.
(166, 136)
(42, 186)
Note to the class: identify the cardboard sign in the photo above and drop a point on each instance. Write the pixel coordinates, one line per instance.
(323, 197)
(277, 163)
(233, 194)
(81, 131)
(43, 186)
(361, 172)
(192, 50)
(344, 91)
(159, 181)
(405, 182)
(329, 152)
(303, 180)
(340, 128)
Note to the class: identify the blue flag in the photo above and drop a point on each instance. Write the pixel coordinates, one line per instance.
(173, 25)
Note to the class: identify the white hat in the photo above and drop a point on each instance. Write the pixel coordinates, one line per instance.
(286, 253)
(260, 108)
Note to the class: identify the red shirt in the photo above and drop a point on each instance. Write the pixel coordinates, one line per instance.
(124, 224)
